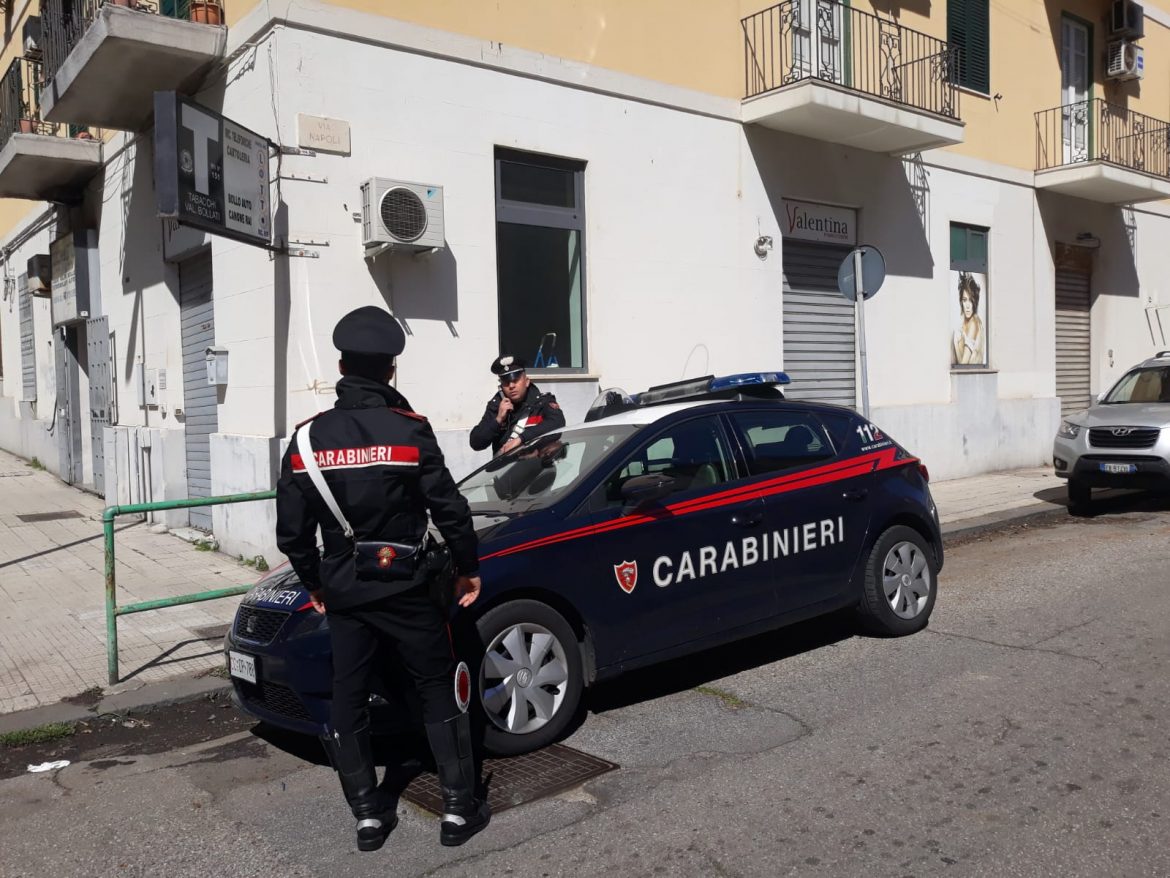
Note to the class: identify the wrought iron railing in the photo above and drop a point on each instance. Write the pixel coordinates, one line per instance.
(20, 105)
(20, 101)
(1098, 131)
(824, 40)
(64, 22)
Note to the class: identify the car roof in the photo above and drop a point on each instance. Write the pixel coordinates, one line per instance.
(1162, 358)
(642, 416)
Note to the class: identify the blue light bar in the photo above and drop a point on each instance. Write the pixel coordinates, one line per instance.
(743, 379)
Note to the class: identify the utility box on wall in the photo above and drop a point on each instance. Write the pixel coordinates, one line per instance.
(75, 276)
(217, 366)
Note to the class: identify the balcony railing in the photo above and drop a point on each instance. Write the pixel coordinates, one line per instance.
(823, 40)
(20, 105)
(64, 22)
(1098, 131)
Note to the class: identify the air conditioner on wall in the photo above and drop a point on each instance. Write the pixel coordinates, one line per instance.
(31, 38)
(1124, 60)
(401, 216)
(1126, 19)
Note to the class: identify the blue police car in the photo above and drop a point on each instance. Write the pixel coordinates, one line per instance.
(685, 516)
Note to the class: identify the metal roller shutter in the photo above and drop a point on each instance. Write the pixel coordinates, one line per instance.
(200, 400)
(28, 349)
(1073, 302)
(819, 333)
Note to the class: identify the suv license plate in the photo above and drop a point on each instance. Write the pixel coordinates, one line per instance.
(242, 666)
(1119, 468)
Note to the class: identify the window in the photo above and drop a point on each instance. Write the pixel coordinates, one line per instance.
(968, 331)
(692, 453)
(540, 259)
(968, 30)
(781, 440)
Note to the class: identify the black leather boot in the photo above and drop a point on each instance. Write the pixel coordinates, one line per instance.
(463, 814)
(353, 760)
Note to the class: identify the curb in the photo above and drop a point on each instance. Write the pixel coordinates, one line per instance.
(967, 528)
(142, 699)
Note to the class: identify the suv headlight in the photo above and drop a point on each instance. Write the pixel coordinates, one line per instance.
(1068, 430)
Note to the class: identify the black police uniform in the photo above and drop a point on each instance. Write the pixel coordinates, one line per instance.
(538, 413)
(384, 467)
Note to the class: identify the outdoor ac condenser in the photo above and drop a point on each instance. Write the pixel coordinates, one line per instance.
(399, 215)
(1125, 60)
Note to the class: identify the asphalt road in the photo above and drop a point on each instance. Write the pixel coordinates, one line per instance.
(1024, 733)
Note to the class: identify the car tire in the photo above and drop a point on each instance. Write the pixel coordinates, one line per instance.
(528, 675)
(901, 583)
(1080, 495)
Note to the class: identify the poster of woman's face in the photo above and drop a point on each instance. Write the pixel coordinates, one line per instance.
(969, 327)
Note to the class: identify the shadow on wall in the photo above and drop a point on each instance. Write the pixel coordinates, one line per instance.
(895, 8)
(893, 200)
(421, 286)
(1114, 266)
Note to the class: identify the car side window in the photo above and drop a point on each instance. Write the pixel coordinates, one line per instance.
(775, 441)
(693, 453)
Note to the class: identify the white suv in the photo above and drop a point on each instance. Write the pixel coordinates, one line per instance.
(1123, 441)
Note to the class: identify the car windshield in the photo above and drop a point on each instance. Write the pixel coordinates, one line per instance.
(1141, 385)
(541, 472)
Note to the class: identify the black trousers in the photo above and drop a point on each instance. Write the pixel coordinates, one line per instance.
(412, 625)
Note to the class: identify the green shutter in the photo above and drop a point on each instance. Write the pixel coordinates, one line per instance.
(958, 243)
(968, 28)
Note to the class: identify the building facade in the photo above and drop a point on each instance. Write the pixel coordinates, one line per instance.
(628, 193)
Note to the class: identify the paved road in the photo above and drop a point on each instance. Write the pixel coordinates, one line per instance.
(1025, 733)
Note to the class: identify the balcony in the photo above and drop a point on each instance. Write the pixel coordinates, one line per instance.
(824, 70)
(105, 60)
(40, 160)
(1102, 152)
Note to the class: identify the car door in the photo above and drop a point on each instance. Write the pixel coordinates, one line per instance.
(673, 572)
(816, 501)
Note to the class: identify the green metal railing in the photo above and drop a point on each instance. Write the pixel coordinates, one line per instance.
(113, 611)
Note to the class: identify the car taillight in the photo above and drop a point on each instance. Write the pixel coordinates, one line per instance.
(925, 472)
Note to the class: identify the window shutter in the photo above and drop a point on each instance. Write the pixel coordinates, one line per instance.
(968, 28)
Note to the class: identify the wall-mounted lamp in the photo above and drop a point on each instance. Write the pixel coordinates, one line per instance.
(1088, 239)
(763, 245)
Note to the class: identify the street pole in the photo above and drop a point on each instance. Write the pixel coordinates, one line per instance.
(859, 296)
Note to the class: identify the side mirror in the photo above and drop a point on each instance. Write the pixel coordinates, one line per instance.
(1101, 395)
(641, 491)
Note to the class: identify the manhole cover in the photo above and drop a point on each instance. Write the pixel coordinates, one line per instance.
(526, 778)
(29, 517)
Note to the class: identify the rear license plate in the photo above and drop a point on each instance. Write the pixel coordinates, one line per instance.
(1119, 468)
(242, 666)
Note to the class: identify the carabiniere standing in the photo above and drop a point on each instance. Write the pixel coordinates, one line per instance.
(378, 472)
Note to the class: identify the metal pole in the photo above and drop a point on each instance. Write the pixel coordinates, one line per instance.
(859, 290)
(111, 598)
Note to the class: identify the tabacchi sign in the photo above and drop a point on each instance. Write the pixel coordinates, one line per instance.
(209, 172)
(827, 223)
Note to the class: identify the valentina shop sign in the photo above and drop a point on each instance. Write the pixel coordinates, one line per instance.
(809, 221)
(210, 173)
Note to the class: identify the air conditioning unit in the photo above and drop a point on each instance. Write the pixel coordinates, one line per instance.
(40, 275)
(401, 216)
(31, 37)
(1124, 60)
(1126, 19)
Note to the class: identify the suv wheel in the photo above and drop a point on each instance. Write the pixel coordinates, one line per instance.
(529, 676)
(901, 578)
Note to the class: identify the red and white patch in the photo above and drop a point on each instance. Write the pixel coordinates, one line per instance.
(462, 687)
(359, 458)
(386, 556)
(627, 575)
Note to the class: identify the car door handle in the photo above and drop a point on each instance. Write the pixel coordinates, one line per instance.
(747, 519)
(856, 494)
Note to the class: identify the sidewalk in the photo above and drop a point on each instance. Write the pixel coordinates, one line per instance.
(52, 584)
(52, 622)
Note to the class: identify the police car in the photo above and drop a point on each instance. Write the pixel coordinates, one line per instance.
(685, 516)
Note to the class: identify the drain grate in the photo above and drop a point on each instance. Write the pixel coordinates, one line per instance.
(30, 517)
(521, 779)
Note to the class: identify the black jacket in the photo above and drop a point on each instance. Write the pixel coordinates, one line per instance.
(537, 414)
(384, 466)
